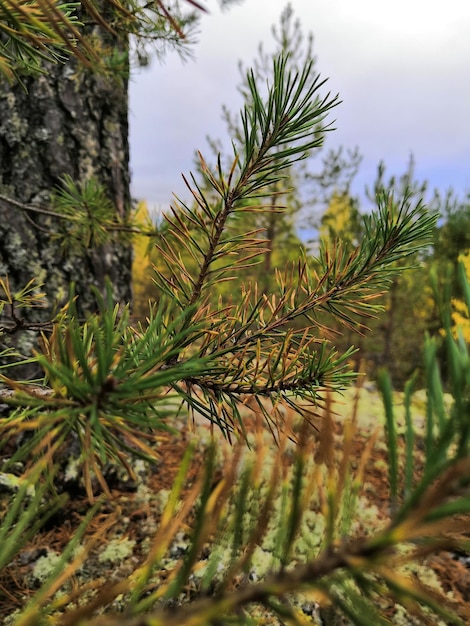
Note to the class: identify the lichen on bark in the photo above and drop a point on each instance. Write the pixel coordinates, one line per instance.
(68, 121)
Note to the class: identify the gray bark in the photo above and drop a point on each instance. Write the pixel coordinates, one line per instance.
(67, 121)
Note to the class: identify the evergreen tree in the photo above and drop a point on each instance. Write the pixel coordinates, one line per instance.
(278, 231)
(106, 394)
(396, 338)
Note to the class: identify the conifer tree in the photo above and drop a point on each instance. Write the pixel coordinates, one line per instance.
(267, 532)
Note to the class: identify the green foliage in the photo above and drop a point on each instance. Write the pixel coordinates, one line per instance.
(27, 511)
(45, 30)
(29, 36)
(86, 214)
(253, 341)
(396, 339)
(342, 220)
(453, 237)
(257, 521)
(289, 516)
(104, 382)
(276, 227)
(447, 435)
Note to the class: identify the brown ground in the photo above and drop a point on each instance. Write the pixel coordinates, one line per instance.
(452, 573)
(14, 588)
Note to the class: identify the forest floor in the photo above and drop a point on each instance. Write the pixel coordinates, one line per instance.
(130, 517)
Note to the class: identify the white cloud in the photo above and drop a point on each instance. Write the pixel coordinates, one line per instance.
(401, 68)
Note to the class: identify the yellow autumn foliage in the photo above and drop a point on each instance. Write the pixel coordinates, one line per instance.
(460, 312)
(340, 219)
(142, 263)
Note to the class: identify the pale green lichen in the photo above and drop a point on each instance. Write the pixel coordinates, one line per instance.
(18, 252)
(26, 342)
(261, 562)
(403, 618)
(140, 467)
(44, 565)
(368, 513)
(117, 550)
(311, 534)
(159, 499)
(426, 575)
(17, 125)
(11, 620)
(73, 469)
(11, 484)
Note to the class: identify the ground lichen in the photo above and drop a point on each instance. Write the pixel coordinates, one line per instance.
(44, 565)
(10, 483)
(117, 550)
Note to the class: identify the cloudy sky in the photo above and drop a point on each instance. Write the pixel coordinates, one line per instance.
(401, 67)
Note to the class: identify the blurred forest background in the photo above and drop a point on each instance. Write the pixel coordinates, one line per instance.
(321, 205)
(91, 438)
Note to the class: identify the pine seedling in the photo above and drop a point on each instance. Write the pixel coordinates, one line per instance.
(106, 383)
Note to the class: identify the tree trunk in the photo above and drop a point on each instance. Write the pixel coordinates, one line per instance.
(73, 122)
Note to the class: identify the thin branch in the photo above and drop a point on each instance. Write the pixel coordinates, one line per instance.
(34, 208)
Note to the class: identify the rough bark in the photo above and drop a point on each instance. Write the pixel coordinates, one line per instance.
(68, 121)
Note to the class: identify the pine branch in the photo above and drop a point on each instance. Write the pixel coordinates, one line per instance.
(43, 30)
(278, 131)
